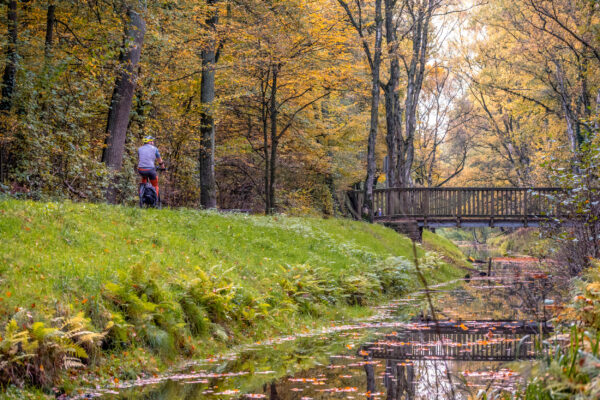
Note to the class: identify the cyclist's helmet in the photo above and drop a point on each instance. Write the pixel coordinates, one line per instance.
(148, 139)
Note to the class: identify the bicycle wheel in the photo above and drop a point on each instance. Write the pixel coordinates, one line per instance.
(140, 196)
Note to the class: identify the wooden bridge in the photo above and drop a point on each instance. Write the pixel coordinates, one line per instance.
(458, 207)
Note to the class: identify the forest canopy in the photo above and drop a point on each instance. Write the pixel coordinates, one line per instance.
(282, 105)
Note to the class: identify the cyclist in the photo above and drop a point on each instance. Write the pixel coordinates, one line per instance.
(147, 156)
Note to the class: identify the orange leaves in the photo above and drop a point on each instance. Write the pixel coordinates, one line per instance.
(346, 389)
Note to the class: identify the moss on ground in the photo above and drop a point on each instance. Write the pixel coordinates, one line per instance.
(163, 285)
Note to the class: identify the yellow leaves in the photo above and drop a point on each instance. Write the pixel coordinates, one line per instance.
(594, 288)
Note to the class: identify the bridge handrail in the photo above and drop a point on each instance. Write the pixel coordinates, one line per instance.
(554, 189)
(518, 203)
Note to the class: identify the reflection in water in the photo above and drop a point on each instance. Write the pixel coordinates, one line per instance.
(383, 357)
(399, 380)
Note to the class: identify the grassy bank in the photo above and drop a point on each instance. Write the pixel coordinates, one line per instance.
(84, 283)
(524, 241)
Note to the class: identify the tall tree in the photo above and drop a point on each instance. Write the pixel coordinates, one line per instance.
(10, 70)
(374, 59)
(120, 105)
(8, 82)
(420, 13)
(50, 24)
(393, 109)
(209, 56)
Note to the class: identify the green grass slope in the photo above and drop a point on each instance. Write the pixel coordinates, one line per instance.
(169, 283)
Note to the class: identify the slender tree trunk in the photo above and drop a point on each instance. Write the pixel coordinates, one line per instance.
(208, 187)
(48, 43)
(10, 70)
(573, 126)
(274, 139)
(50, 21)
(375, 76)
(597, 116)
(265, 121)
(120, 105)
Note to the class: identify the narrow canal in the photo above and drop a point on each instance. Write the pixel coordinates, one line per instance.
(481, 338)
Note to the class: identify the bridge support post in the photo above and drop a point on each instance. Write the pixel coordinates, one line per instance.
(408, 228)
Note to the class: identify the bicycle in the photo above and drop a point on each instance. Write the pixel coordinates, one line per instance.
(144, 197)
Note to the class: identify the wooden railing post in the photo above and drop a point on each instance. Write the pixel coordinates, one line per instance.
(388, 210)
(459, 208)
(525, 208)
(492, 209)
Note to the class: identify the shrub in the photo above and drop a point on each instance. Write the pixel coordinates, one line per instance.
(38, 354)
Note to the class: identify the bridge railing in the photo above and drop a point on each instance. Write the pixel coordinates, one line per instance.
(455, 202)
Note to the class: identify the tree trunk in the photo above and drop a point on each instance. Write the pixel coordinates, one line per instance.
(375, 73)
(415, 75)
(208, 187)
(8, 82)
(274, 139)
(10, 70)
(265, 121)
(573, 125)
(393, 111)
(120, 105)
(50, 21)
